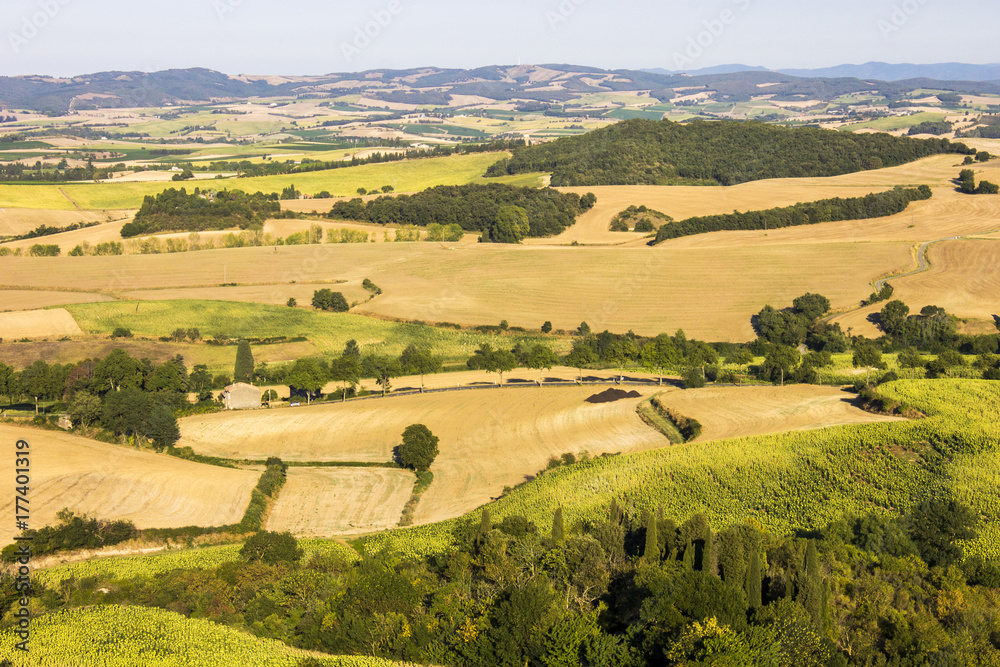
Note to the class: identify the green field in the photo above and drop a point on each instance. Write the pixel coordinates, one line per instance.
(781, 483)
(329, 331)
(406, 176)
(115, 635)
(897, 122)
(209, 558)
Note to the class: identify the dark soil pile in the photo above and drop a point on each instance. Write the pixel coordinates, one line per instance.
(611, 395)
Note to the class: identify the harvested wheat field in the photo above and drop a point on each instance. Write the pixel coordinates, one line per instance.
(737, 412)
(38, 324)
(489, 438)
(276, 295)
(103, 233)
(31, 299)
(964, 279)
(323, 502)
(117, 482)
(681, 202)
(15, 221)
(948, 213)
(709, 293)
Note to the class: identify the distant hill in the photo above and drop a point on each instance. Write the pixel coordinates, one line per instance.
(539, 84)
(642, 152)
(902, 72)
(876, 71)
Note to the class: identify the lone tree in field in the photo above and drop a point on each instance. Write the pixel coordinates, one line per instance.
(324, 299)
(243, 371)
(419, 448)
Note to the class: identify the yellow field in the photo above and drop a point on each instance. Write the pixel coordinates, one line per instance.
(15, 221)
(948, 213)
(38, 324)
(29, 299)
(406, 176)
(270, 294)
(117, 482)
(324, 502)
(109, 231)
(711, 294)
(964, 279)
(737, 412)
(488, 438)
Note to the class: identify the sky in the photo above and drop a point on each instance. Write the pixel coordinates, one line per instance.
(300, 37)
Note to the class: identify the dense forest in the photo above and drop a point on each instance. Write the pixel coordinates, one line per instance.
(632, 589)
(643, 152)
(473, 207)
(876, 205)
(176, 211)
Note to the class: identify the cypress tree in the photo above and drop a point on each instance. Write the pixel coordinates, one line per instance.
(754, 580)
(243, 371)
(708, 562)
(652, 550)
(810, 593)
(689, 557)
(614, 512)
(558, 535)
(484, 527)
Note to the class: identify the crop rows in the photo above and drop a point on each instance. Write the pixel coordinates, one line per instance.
(113, 636)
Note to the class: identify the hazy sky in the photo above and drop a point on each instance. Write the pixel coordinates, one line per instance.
(64, 37)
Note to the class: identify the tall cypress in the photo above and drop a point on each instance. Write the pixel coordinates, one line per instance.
(558, 535)
(708, 560)
(810, 594)
(485, 526)
(754, 580)
(689, 556)
(243, 371)
(652, 549)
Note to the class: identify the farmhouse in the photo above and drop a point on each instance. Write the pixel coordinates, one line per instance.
(242, 396)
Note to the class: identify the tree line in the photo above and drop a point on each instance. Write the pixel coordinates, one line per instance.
(124, 396)
(176, 210)
(876, 205)
(476, 208)
(644, 152)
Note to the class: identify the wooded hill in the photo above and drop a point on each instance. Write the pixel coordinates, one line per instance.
(643, 152)
(473, 207)
(176, 211)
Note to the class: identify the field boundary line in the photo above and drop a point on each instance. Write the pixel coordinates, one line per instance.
(66, 195)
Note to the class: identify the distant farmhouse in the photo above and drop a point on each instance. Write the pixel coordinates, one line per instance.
(242, 396)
